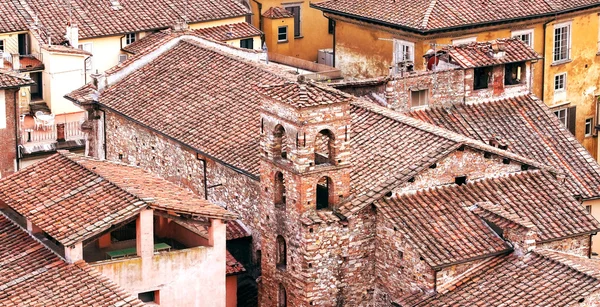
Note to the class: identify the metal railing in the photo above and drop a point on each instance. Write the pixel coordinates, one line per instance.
(72, 131)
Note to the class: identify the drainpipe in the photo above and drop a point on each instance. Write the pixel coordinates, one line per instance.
(204, 181)
(17, 123)
(104, 132)
(544, 66)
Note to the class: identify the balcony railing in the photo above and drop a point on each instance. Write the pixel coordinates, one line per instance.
(72, 131)
(22, 62)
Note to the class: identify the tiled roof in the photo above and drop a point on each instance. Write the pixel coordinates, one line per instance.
(425, 16)
(304, 94)
(32, 275)
(219, 33)
(583, 264)
(276, 12)
(13, 19)
(531, 280)
(99, 18)
(65, 49)
(528, 127)
(443, 228)
(237, 230)
(216, 112)
(10, 79)
(480, 54)
(159, 193)
(233, 266)
(67, 201)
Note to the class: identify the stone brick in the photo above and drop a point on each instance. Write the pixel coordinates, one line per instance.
(8, 152)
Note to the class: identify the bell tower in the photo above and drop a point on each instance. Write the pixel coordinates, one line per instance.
(304, 174)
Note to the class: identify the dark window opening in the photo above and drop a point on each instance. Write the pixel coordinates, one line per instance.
(282, 34)
(279, 190)
(324, 194)
(388, 194)
(247, 43)
(434, 165)
(460, 180)
(282, 297)
(281, 253)
(514, 73)
(149, 297)
(280, 146)
(524, 167)
(506, 161)
(324, 148)
(295, 10)
(487, 155)
(481, 78)
(503, 147)
(331, 26)
(401, 254)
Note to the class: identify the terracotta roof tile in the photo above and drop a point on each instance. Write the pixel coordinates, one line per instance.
(305, 94)
(531, 130)
(219, 33)
(99, 18)
(441, 224)
(31, 275)
(518, 281)
(480, 54)
(10, 79)
(233, 266)
(237, 230)
(436, 15)
(13, 18)
(276, 12)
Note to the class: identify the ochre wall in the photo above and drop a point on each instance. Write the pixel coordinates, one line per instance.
(314, 29)
(272, 44)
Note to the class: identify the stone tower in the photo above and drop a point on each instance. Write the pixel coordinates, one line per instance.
(304, 175)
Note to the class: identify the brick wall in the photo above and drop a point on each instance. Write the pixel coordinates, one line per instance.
(133, 144)
(579, 245)
(8, 153)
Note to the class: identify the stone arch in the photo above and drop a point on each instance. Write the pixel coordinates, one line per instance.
(280, 142)
(281, 296)
(281, 252)
(279, 189)
(324, 147)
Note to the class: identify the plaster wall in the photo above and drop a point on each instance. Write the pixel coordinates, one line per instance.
(8, 140)
(63, 74)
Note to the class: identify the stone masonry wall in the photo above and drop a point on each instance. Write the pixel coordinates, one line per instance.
(445, 88)
(579, 245)
(8, 152)
(136, 145)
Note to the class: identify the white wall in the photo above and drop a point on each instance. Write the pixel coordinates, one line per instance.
(63, 74)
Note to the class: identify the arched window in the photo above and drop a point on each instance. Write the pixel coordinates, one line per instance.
(279, 189)
(280, 142)
(325, 195)
(282, 297)
(281, 253)
(324, 147)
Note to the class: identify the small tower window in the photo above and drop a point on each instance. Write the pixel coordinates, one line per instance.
(282, 297)
(460, 180)
(324, 147)
(280, 146)
(279, 189)
(281, 253)
(324, 193)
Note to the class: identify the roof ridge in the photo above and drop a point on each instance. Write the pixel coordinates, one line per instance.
(428, 13)
(474, 271)
(562, 263)
(445, 133)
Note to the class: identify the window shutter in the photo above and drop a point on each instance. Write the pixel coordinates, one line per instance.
(571, 118)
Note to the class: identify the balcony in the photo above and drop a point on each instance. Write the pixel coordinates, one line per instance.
(64, 132)
(22, 63)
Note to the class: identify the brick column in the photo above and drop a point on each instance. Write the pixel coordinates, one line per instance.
(145, 234)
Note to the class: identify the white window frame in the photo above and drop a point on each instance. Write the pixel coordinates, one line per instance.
(287, 34)
(464, 40)
(589, 122)
(566, 118)
(404, 45)
(519, 33)
(130, 38)
(569, 38)
(89, 47)
(564, 88)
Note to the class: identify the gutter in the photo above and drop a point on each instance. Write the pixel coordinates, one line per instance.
(448, 29)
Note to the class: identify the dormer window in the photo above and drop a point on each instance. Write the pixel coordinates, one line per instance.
(514, 73)
(130, 38)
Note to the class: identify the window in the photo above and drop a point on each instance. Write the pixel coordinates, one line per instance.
(281, 253)
(324, 193)
(567, 117)
(403, 51)
(89, 65)
(419, 98)
(149, 297)
(281, 297)
(282, 35)
(324, 147)
(463, 41)
(295, 10)
(279, 189)
(589, 126)
(562, 42)
(331, 26)
(524, 35)
(481, 78)
(560, 82)
(280, 143)
(513, 73)
(122, 58)
(2, 46)
(130, 38)
(247, 43)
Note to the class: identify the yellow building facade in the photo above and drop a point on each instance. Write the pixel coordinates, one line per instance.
(567, 78)
(313, 34)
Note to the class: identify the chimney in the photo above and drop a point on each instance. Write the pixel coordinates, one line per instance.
(72, 35)
(498, 49)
